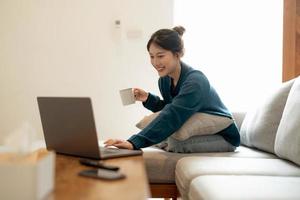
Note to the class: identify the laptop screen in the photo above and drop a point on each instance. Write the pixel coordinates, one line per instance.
(68, 125)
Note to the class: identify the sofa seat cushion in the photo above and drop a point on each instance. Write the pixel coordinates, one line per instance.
(244, 187)
(160, 164)
(189, 168)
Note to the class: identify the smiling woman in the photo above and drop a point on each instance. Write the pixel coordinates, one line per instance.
(185, 91)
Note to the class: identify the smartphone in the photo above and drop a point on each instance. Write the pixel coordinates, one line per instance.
(102, 174)
(97, 163)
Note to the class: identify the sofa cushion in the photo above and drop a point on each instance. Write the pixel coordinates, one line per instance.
(260, 125)
(160, 165)
(239, 118)
(197, 124)
(189, 168)
(244, 187)
(287, 144)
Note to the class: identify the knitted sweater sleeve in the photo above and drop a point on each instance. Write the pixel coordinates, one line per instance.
(154, 103)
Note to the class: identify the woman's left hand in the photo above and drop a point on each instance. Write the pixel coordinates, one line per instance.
(122, 144)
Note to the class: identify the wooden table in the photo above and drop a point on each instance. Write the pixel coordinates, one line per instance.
(68, 185)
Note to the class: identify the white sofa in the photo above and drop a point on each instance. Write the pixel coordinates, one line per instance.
(265, 166)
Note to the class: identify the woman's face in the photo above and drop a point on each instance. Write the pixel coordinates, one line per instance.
(164, 61)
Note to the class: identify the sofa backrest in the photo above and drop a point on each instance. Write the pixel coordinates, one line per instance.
(260, 125)
(287, 143)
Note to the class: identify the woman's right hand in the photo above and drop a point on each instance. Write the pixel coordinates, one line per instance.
(140, 95)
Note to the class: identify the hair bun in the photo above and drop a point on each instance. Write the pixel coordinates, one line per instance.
(179, 29)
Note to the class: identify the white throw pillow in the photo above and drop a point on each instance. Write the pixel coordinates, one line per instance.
(287, 143)
(197, 124)
(260, 125)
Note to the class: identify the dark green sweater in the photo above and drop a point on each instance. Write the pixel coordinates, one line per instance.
(193, 93)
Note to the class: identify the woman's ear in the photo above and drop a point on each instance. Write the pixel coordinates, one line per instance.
(179, 54)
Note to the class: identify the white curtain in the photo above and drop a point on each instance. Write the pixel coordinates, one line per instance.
(236, 43)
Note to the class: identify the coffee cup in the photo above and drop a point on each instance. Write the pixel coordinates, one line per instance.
(127, 96)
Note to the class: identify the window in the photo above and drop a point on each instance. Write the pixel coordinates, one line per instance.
(236, 43)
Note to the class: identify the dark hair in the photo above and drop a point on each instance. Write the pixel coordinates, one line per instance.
(169, 39)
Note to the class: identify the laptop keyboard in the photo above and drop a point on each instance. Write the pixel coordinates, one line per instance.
(109, 150)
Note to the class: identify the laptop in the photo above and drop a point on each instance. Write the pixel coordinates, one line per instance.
(69, 128)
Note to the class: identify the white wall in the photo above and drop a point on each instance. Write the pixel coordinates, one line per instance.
(237, 44)
(73, 48)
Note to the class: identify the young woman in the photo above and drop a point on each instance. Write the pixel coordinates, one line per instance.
(185, 91)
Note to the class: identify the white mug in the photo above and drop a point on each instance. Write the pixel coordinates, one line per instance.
(127, 96)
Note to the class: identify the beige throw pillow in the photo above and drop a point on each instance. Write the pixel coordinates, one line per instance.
(197, 124)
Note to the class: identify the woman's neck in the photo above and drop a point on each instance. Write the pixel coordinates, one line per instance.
(176, 74)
